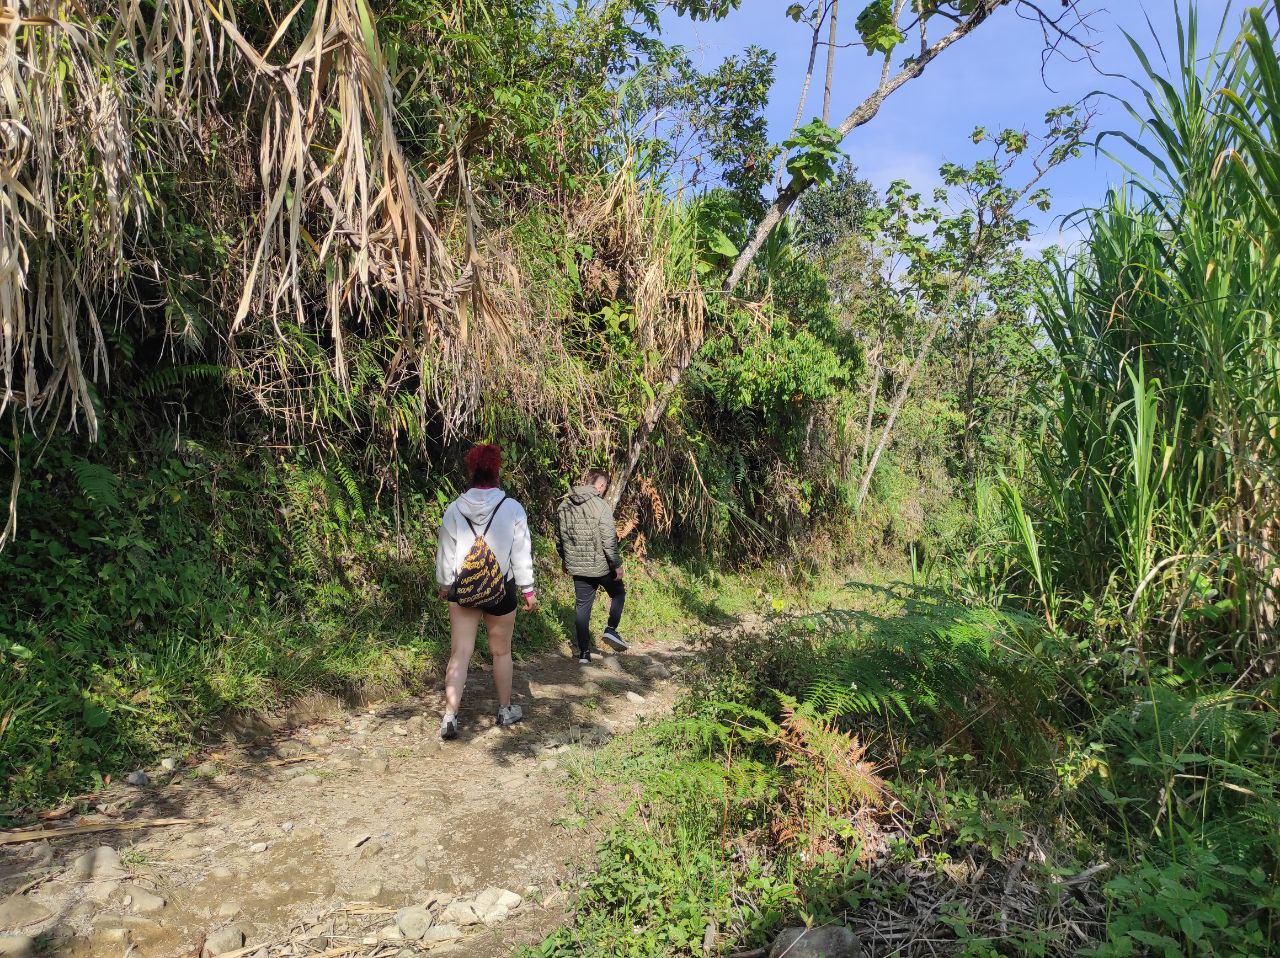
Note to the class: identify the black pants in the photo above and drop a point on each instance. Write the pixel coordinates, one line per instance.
(584, 593)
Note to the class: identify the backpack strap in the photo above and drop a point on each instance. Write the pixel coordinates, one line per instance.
(493, 516)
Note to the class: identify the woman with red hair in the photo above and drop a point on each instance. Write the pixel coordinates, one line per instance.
(483, 563)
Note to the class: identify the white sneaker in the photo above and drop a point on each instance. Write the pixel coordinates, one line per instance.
(449, 727)
(509, 715)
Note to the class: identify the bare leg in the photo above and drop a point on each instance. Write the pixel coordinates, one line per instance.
(462, 633)
(500, 628)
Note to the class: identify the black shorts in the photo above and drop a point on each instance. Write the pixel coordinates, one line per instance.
(504, 606)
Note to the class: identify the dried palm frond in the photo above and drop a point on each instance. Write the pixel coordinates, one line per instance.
(99, 97)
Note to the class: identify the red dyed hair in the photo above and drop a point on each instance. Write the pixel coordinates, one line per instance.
(483, 465)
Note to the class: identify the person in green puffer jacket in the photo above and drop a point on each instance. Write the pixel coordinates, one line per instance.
(588, 544)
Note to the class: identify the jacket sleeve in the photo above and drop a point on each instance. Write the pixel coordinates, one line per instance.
(560, 530)
(446, 550)
(609, 536)
(522, 553)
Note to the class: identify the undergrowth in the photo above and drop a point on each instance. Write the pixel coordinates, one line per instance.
(149, 594)
(905, 765)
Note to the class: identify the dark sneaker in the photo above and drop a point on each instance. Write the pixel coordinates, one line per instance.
(509, 715)
(584, 658)
(611, 638)
(449, 727)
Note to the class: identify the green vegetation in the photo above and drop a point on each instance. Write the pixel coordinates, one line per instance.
(1067, 744)
(297, 261)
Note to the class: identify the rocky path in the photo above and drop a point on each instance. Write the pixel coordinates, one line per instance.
(356, 833)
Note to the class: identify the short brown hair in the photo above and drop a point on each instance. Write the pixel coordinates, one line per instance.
(595, 475)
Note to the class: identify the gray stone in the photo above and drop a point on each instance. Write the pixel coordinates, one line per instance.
(292, 748)
(222, 873)
(101, 890)
(492, 898)
(142, 901)
(20, 912)
(17, 946)
(367, 891)
(389, 933)
(634, 698)
(307, 781)
(100, 863)
(257, 848)
(286, 827)
(399, 730)
(611, 663)
(318, 741)
(228, 909)
(374, 764)
(41, 854)
(441, 934)
(413, 922)
(169, 764)
(184, 854)
(206, 770)
(830, 941)
(496, 914)
(223, 940)
(138, 779)
(460, 913)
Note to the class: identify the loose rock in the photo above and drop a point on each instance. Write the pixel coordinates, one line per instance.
(369, 891)
(634, 698)
(19, 912)
(257, 848)
(17, 946)
(169, 764)
(497, 897)
(460, 913)
(318, 741)
(830, 941)
(224, 940)
(229, 909)
(138, 779)
(307, 781)
(441, 934)
(611, 663)
(142, 901)
(100, 863)
(413, 922)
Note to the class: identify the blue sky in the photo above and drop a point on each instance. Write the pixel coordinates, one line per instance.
(991, 78)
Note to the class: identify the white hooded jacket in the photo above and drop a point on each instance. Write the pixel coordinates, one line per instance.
(508, 537)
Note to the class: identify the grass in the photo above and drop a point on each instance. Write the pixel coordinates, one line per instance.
(750, 810)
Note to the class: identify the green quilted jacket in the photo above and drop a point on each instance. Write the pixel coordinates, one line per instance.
(585, 534)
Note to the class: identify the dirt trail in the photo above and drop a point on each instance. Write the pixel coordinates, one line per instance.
(314, 841)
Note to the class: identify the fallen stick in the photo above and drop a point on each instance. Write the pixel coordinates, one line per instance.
(13, 838)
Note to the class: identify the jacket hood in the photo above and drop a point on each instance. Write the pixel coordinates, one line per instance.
(478, 504)
(580, 494)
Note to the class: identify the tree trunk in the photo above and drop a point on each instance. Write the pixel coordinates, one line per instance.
(863, 113)
(804, 95)
(871, 412)
(865, 486)
(831, 62)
